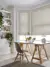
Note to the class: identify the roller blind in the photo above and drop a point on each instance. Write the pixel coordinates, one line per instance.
(41, 21)
(23, 23)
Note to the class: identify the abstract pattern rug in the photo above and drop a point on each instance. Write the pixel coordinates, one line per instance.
(19, 64)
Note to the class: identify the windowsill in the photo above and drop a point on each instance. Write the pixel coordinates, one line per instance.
(6, 59)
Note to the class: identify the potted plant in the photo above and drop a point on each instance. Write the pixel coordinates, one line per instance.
(9, 37)
(1, 17)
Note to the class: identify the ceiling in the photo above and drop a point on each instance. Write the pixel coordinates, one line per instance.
(22, 3)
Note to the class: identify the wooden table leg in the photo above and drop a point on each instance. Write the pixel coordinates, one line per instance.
(28, 48)
(34, 53)
(39, 54)
(45, 52)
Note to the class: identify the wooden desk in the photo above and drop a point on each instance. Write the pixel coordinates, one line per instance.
(38, 47)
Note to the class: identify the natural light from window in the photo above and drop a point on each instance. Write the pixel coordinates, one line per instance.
(38, 37)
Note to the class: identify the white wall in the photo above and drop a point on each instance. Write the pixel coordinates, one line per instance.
(4, 47)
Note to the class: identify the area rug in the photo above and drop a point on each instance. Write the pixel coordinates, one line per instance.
(19, 64)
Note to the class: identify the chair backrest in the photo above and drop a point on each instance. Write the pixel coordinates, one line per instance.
(18, 48)
(43, 40)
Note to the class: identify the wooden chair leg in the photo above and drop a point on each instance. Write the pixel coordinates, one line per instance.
(39, 54)
(22, 56)
(34, 52)
(16, 57)
(26, 57)
(45, 52)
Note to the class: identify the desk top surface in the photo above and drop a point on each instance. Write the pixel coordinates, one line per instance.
(35, 42)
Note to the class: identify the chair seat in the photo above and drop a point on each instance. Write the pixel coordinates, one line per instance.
(25, 51)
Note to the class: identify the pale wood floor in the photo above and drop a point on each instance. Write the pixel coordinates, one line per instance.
(5, 59)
